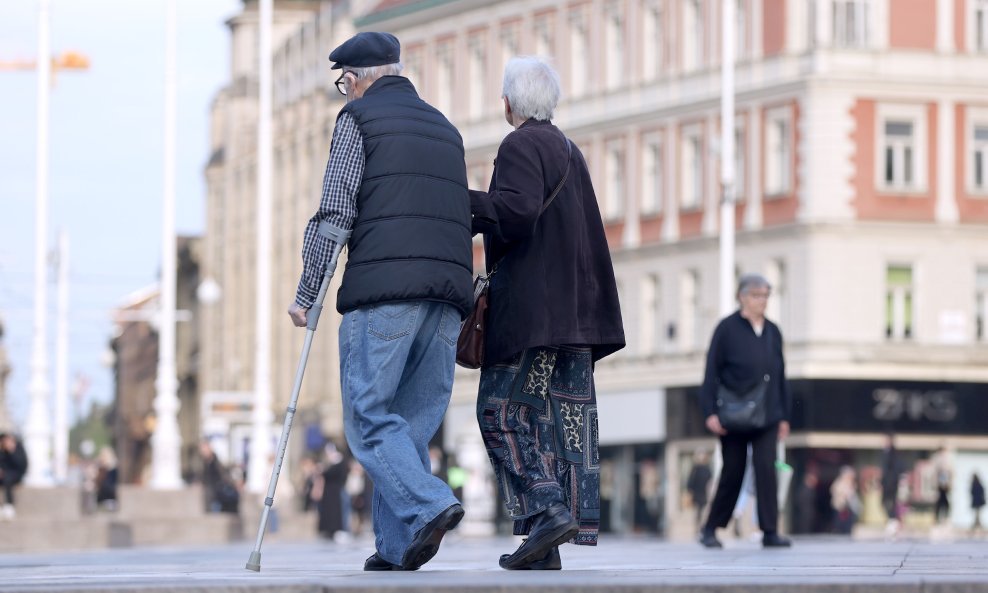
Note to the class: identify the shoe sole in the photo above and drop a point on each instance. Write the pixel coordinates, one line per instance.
(431, 545)
(539, 549)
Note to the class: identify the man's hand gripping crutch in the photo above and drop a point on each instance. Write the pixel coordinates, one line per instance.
(309, 319)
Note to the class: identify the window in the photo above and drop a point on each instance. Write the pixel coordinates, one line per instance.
(979, 159)
(652, 178)
(691, 174)
(579, 52)
(413, 66)
(778, 161)
(776, 276)
(689, 307)
(614, 33)
(739, 163)
(900, 155)
(651, 313)
(981, 304)
(899, 302)
(900, 151)
(693, 35)
(653, 40)
(509, 44)
(444, 78)
(850, 22)
(979, 21)
(543, 36)
(614, 195)
(478, 76)
(740, 30)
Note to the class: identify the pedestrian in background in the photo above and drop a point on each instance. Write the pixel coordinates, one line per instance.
(977, 500)
(553, 311)
(845, 500)
(890, 484)
(745, 357)
(397, 177)
(698, 483)
(13, 466)
(106, 479)
(945, 477)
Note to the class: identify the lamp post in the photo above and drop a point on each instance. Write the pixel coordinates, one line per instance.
(260, 441)
(166, 441)
(37, 431)
(727, 173)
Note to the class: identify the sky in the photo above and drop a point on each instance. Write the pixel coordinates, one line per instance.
(105, 181)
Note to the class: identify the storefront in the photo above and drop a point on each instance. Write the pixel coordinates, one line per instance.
(837, 423)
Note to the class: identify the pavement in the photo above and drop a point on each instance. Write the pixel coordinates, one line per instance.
(618, 564)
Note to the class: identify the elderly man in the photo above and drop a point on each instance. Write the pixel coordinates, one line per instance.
(406, 287)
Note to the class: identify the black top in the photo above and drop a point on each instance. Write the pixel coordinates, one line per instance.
(739, 358)
(411, 239)
(554, 283)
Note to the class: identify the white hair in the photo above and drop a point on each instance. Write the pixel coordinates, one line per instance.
(532, 87)
(374, 72)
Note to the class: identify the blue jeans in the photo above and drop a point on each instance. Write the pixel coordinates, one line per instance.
(396, 366)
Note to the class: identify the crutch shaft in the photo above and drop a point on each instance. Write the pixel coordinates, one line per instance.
(312, 321)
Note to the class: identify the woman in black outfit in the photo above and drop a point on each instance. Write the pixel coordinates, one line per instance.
(746, 349)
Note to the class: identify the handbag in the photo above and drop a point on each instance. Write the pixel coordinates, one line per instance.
(745, 411)
(470, 342)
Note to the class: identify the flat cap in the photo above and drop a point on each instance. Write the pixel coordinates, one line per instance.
(366, 49)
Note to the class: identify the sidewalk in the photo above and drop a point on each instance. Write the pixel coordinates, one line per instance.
(626, 565)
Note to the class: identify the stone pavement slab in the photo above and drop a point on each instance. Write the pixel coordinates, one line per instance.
(625, 565)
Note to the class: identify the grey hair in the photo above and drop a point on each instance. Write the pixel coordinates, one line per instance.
(532, 87)
(749, 281)
(375, 72)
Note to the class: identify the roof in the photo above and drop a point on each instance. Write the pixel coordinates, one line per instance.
(387, 9)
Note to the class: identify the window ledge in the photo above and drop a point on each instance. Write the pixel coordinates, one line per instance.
(902, 192)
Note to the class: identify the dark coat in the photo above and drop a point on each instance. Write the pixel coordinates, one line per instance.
(977, 494)
(738, 359)
(554, 282)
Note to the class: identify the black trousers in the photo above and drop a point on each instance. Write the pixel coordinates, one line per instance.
(9, 480)
(734, 451)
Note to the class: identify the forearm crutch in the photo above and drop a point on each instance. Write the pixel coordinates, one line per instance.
(339, 237)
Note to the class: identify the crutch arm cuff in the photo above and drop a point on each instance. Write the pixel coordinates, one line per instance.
(333, 233)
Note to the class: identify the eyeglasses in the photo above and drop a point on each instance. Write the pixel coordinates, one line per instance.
(340, 84)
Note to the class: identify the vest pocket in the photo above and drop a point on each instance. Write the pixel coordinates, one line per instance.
(391, 321)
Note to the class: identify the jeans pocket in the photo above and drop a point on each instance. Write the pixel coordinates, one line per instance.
(391, 321)
(449, 325)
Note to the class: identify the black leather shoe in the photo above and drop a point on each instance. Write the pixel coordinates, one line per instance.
(550, 528)
(552, 561)
(774, 540)
(708, 539)
(376, 563)
(426, 542)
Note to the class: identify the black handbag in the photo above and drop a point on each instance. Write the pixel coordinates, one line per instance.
(470, 342)
(745, 411)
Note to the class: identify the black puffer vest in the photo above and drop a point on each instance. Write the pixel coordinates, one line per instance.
(411, 239)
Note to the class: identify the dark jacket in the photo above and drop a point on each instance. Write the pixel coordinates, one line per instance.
(739, 359)
(554, 283)
(14, 462)
(411, 239)
(977, 493)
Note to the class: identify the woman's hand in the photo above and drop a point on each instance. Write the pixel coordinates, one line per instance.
(713, 425)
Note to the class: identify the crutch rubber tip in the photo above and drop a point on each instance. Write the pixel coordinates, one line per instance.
(254, 563)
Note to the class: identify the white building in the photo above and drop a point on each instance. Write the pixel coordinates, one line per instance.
(862, 129)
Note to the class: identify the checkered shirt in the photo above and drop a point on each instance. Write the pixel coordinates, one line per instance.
(340, 186)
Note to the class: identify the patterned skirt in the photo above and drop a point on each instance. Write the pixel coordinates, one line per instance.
(538, 417)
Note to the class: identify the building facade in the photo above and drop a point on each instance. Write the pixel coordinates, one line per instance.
(862, 134)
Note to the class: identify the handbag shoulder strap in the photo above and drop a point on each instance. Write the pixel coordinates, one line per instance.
(559, 187)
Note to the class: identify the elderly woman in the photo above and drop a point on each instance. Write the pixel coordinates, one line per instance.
(745, 358)
(553, 312)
